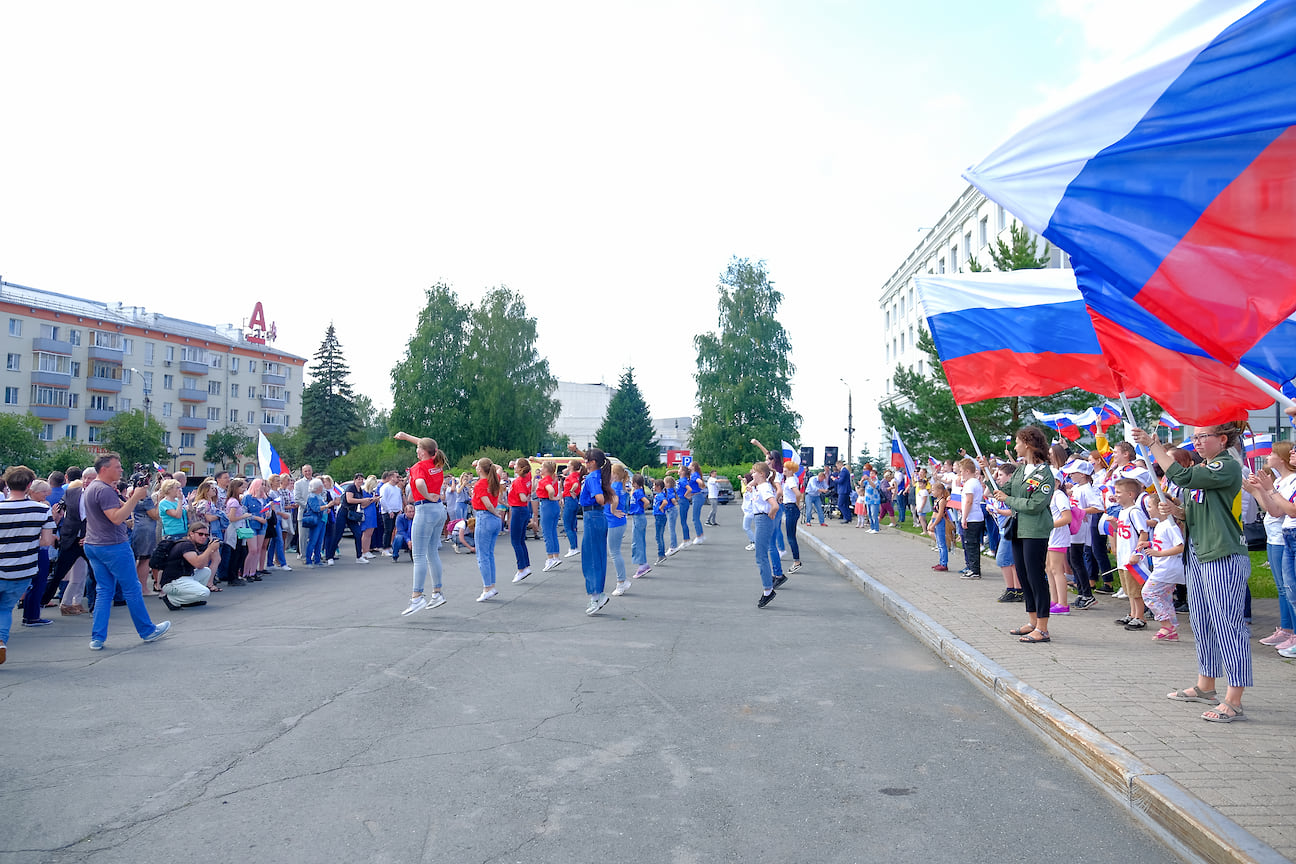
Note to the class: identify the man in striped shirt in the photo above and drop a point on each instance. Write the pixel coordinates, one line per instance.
(25, 526)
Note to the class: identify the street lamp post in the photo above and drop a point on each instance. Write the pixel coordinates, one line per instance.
(850, 422)
(147, 391)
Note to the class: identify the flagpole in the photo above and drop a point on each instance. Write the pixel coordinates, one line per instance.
(976, 447)
(1264, 387)
(1129, 415)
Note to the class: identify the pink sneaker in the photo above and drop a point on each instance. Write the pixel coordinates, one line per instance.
(1288, 645)
(1279, 636)
(1058, 609)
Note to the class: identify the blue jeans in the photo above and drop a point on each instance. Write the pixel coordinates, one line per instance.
(698, 501)
(425, 539)
(791, 515)
(901, 505)
(399, 542)
(639, 539)
(550, 511)
(1275, 552)
(275, 551)
(570, 508)
(776, 562)
(670, 517)
(114, 566)
(873, 510)
(747, 527)
(778, 530)
(814, 505)
(594, 549)
(659, 528)
(1289, 572)
(315, 547)
(485, 535)
(518, 519)
(942, 545)
(992, 535)
(685, 505)
(763, 531)
(615, 537)
(10, 591)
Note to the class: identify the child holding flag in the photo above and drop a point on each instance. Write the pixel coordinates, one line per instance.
(1166, 549)
(1131, 532)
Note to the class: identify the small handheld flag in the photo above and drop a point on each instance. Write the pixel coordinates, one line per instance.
(1168, 422)
(1258, 446)
(268, 458)
(900, 457)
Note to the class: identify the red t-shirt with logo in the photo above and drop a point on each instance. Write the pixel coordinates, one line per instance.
(432, 476)
(519, 487)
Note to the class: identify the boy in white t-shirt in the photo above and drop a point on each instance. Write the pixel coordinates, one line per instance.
(1166, 550)
(972, 518)
(1131, 531)
(1086, 499)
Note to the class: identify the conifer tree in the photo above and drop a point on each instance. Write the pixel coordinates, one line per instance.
(627, 430)
(329, 413)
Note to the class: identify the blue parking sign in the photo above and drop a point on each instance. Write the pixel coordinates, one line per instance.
(686, 461)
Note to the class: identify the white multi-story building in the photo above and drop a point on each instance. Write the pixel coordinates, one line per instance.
(966, 231)
(76, 363)
(582, 408)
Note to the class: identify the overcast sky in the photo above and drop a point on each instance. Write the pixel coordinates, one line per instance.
(605, 160)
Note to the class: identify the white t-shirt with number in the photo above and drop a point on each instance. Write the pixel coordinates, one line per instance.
(1129, 525)
(1167, 535)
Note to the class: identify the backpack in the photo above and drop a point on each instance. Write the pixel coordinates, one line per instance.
(161, 552)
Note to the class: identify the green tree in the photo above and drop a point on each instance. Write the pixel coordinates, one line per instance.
(135, 437)
(225, 444)
(329, 413)
(743, 371)
(1021, 254)
(554, 443)
(627, 430)
(64, 456)
(20, 442)
(429, 391)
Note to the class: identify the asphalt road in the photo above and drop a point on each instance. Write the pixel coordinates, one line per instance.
(302, 719)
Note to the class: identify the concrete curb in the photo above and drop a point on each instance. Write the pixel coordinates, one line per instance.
(1180, 819)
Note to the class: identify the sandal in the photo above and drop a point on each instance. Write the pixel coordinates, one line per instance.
(1225, 712)
(1193, 694)
(1043, 637)
(1022, 631)
(1164, 635)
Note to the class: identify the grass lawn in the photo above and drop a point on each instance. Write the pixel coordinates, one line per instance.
(1262, 580)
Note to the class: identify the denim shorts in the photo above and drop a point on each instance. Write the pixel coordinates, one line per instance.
(1003, 557)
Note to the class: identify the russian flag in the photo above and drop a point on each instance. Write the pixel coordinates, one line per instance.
(900, 455)
(933, 463)
(998, 334)
(1068, 425)
(1174, 180)
(1168, 422)
(268, 457)
(1258, 446)
(1109, 414)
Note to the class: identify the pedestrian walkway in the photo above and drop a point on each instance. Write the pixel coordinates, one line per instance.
(1110, 687)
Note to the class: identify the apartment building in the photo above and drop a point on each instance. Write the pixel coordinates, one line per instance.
(75, 363)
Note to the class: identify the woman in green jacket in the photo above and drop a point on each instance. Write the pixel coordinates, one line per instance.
(1217, 566)
(1027, 494)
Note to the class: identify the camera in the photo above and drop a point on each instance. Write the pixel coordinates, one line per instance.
(141, 475)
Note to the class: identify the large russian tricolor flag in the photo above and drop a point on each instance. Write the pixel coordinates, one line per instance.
(1176, 182)
(1025, 333)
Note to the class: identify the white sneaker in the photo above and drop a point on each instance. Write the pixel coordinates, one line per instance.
(362, 560)
(697, 541)
(285, 568)
(872, 531)
(671, 551)
(436, 600)
(522, 574)
(751, 547)
(488, 594)
(572, 553)
(416, 603)
(596, 603)
(330, 562)
(1120, 595)
(622, 587)
(782, 553)
(589, 610)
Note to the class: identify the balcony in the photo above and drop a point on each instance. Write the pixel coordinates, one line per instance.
(51, 346)
(112, 355)
(193, 367)
(99, 415)
(191, 395)
(54, 379)
(192, 422)
(104, 385)
(273, 404)
(50, 412)
(274, 380)
(275, 428)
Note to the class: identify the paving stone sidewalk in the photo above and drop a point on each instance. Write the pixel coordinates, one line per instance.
(1115, 680)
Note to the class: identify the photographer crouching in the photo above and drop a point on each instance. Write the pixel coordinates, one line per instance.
(188, 566)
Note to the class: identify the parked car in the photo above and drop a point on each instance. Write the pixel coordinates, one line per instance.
(726, 493)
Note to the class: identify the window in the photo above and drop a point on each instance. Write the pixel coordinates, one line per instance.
(170, 354)
(166, 439)
(911, 339)
(186, 439)
(233, 363)
(234, 391)
(983, 232)
(49, 331)
(11, 396)
(1002, 219)
(217, 360)
(213, 414)
(286, 395)
(273, 368)
(188, 383)
(76, 368)
(166, 409)
(74, 400)
(248, 470)
(47, 432)
(888, 320)
(60, 363)
(92, 434)
(194, 355)
(901, 310)
(967, 245)
(14, 363)
(126, 376)
(101, 403)
(107, 370)
(74, 336)
(15, 326)
(123, 404)
(70, 431)
(251, 365)
(189, 411)
(104, 339)
(251, 391)
(233, 415)
(128, 346)
(902, 343)
(954, 259)
(213, 388)
(911, 306)
(888, 354)
(42, 395)
(273, 419)
(168, 382)
(147, 381)
(148, 353)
